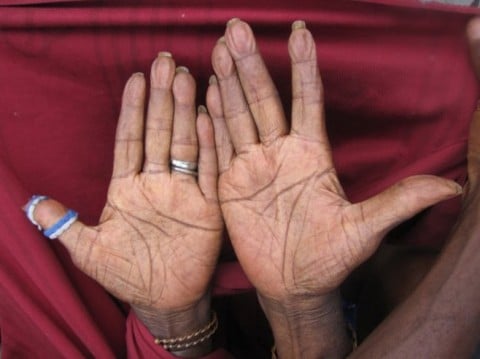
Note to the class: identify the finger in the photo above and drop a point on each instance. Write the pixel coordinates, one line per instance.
(258, 87)
(207, 159)
(473, 155)
(307, 94)
(223, 144)
(158, 131)
(403, 200)
(128, 152)
(77, 238)
(240, 124)
(184, 138)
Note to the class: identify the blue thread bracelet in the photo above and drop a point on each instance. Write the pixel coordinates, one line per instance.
(30, 208)
(62, 225)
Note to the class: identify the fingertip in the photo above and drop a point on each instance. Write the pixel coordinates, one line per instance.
(135, 88)
(184, 85)
(48, 212)
(298, 24)
(445, 186)
(301, 45)
(222, 61)
(163, 70)
(239, 38)
(214, 101)
(458, 190)
(422, 191)
(213, 80)
(405, 199)
(232, 21)
(50, 216)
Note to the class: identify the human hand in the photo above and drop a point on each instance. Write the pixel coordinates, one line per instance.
(159, 235)
(294, 231)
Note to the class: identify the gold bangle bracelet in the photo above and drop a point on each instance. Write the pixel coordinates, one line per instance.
(190, 340)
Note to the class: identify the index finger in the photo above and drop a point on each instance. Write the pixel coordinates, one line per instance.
(258, 87)
(128, 151)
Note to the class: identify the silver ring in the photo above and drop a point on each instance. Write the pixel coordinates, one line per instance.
(191, 166)
(183, 170)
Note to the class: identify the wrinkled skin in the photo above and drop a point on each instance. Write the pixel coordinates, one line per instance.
(294, 231)
(158, 239)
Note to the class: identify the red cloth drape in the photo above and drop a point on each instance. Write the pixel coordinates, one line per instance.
(399, 96)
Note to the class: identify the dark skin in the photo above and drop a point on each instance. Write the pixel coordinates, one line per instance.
(159, 235)
(282, 201)
(156, 251)
(440, 319)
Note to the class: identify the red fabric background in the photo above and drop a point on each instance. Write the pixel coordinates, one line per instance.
(399, 96)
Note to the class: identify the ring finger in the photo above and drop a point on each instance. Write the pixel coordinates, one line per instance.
(184, 146)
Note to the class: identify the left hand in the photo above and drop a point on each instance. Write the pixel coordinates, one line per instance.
(294, 231)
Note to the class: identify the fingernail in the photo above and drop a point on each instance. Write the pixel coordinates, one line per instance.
(232, 21)
(213, 80)
(136, 78)
(221, 40)
(459, 189)
(134, 89)
(165, 54)
(298, 24)
(202, 109)
(182, 69)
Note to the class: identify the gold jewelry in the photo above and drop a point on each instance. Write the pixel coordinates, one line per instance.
(190, 340)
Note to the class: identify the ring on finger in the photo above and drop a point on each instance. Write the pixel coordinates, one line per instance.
(189, 168)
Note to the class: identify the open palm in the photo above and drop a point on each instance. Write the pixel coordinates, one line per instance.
(293, 229)
(158, 239)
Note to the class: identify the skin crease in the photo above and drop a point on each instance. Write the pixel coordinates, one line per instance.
(295, 233)
(159, 236)
(441, 318)
(280, 195)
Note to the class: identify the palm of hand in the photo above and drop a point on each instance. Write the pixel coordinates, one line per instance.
(148, 241)
(287, 214)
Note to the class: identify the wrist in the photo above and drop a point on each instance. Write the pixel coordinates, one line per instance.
(178, 323)
(307, 326)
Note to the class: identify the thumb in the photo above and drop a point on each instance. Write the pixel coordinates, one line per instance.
(403, 200)
(54, 218)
